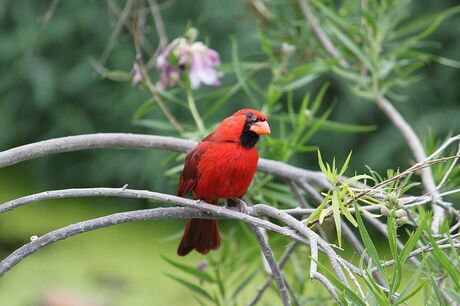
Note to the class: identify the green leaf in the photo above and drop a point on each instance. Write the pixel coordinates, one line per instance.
(348, 215)
(319, 98)
(265, 45)
(301, 76)
(332, 126)
(337, 217)
(316, 214)
(411, 242)
(244, 283)
(434, 285)
(154, 124)
(144, 109)
(340, 285)
(240, 75)
(370, 247)
(301, 118)
(444, 261)
(316, 125)
(321, 165)
(117, 75)
(196, 289)
(345, 164)
(407, 293)
(194, 271)
(349, 44)
(392, 240)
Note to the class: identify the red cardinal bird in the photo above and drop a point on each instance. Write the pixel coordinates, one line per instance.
(220, 167)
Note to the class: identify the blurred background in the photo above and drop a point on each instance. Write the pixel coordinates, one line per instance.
(49, 87)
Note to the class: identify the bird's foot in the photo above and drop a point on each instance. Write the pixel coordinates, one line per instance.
(244, 208)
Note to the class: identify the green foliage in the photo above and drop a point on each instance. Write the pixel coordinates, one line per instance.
(55, 81)
(337, 197)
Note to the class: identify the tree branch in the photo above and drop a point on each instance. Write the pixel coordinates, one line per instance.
(196, 209)
(275, 268)
(138, 141)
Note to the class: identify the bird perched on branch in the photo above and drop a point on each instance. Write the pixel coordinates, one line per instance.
(220, 167)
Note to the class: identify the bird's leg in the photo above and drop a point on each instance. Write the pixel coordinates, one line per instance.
(233, 202)
(237, 202)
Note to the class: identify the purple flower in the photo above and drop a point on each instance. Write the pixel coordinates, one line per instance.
(202, 265)
(136, 74)
(195, 59)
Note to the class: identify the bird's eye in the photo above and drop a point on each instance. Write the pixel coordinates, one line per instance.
(250, 117)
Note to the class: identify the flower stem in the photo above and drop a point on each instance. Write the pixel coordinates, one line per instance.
(196, 116)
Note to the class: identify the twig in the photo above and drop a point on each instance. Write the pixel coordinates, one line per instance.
(148, 81)
(275, 268)
(284, 258)
(419, 154)
(390, 111)
(45, 20)
(424, 249)
(289, 250)
(306, 232)
(116, 30)
(137, 141)
(346, 231)
(113, 6)
(314, 194)
(322, 36)
(353, 279)
(383, 229)
(159, 24)
(268, 255)
(314, 274)
(446, 175)
(297, 194)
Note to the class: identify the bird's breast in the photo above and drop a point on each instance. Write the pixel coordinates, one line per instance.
(226, 171)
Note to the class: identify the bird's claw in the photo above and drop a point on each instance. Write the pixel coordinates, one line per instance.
(244, 208)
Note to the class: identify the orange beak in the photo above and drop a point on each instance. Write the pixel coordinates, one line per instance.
(260, 128)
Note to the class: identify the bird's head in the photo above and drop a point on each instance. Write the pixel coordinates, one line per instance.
(245, 127)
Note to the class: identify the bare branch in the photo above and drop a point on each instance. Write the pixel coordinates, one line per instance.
(137, 141)
(206, 211)
(320, 33)
(116, 30)
(276, 270)
(148, 81)
(159, 24)
(446, 175)
(306, 232)
(314, 274)
(284, 258)
(419, 153)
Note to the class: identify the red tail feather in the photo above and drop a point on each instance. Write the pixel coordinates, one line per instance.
(201, 235)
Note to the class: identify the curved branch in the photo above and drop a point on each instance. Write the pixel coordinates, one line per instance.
(275, 268)
(201, 210)
(89, 225)
(306, 232)
(138, 141)
(193, 209)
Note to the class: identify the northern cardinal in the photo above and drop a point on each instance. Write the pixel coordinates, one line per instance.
(220, 167)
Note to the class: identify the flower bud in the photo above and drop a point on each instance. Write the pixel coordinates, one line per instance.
(191, 35)
(391, 200)
(402, 220)
(400, 213)
(385, 211)
(287, 49)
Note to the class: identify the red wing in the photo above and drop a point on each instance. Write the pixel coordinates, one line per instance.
(190, 175)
